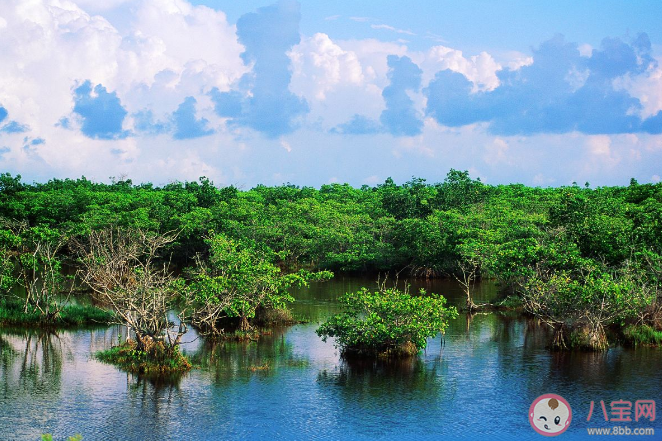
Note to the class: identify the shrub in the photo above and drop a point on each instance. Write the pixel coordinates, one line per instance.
(157, 360)
(387, 322)
(642, 335)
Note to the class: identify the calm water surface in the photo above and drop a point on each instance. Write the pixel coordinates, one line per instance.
(477, 383)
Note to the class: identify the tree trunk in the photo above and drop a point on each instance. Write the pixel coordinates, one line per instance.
(559, 338)
(244, 325)
(471, 306)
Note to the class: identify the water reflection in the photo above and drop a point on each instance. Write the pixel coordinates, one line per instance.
(478, 380)
(239, 360)
(389, 380)
(32, 361)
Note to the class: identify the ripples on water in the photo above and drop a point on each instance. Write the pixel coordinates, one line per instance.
(478, 383)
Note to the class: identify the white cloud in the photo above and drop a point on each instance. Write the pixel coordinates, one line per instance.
(497, 152)
(412, 145)
(286, 145)
(360, 19)
(480, 69)
(577, 78)
(585, 50)
(155, 53)
(541, 180)
(341, 78)
(599, 145)
(97, 6)
(518, 60)
(167, 50)
(372, 54)
(647, 88)
(391, 28)
(319, 65)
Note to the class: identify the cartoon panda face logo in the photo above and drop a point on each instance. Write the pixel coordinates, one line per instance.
(550, 415)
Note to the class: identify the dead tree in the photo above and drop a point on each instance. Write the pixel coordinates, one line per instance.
(123, 269)
(469, 268)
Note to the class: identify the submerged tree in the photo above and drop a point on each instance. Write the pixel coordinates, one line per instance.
(237, 279)
(124, 270)
(387, 322)
(579, 303)
(31, 258)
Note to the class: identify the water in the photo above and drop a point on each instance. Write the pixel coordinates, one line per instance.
(478, 382)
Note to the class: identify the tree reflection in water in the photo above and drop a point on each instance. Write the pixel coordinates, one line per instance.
(32, 361)
(232, 360)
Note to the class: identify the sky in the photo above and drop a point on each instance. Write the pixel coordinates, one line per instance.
(316, 92)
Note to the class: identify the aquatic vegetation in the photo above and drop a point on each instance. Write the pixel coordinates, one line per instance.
(238, 280)
(12, 312)
(642, 335)
(49, 437)
(388, 322)
(581, 259)
(154, 360)
(121, 267)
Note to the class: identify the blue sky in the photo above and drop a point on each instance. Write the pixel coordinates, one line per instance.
(471, 24)
(313, 92)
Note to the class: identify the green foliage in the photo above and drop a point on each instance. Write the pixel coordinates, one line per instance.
(248, 274)
(538, 243)
(12, 312)
(239, 278)
(32, 260)
(49, 437)
(157, 360)
(642, 335)
(7, 278)
(388, 321)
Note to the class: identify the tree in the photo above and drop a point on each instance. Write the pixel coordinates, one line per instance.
(238, 279)
(31, 257)
(388, 322)
(472, 257)
(583, 300)
(123, 269)
(7, 278)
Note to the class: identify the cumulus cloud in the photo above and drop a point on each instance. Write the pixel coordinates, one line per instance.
(268, 105)
(400, 116)
(320, 65)
(561, 91)
(105, 89)
(86, 96)
(10, 126)
(480, 69)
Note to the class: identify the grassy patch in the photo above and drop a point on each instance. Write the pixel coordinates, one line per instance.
(250, 335)
(49, 437)
(158, 361)
(642, 335)
(276, 316)
(12, 313)
(260, 368)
